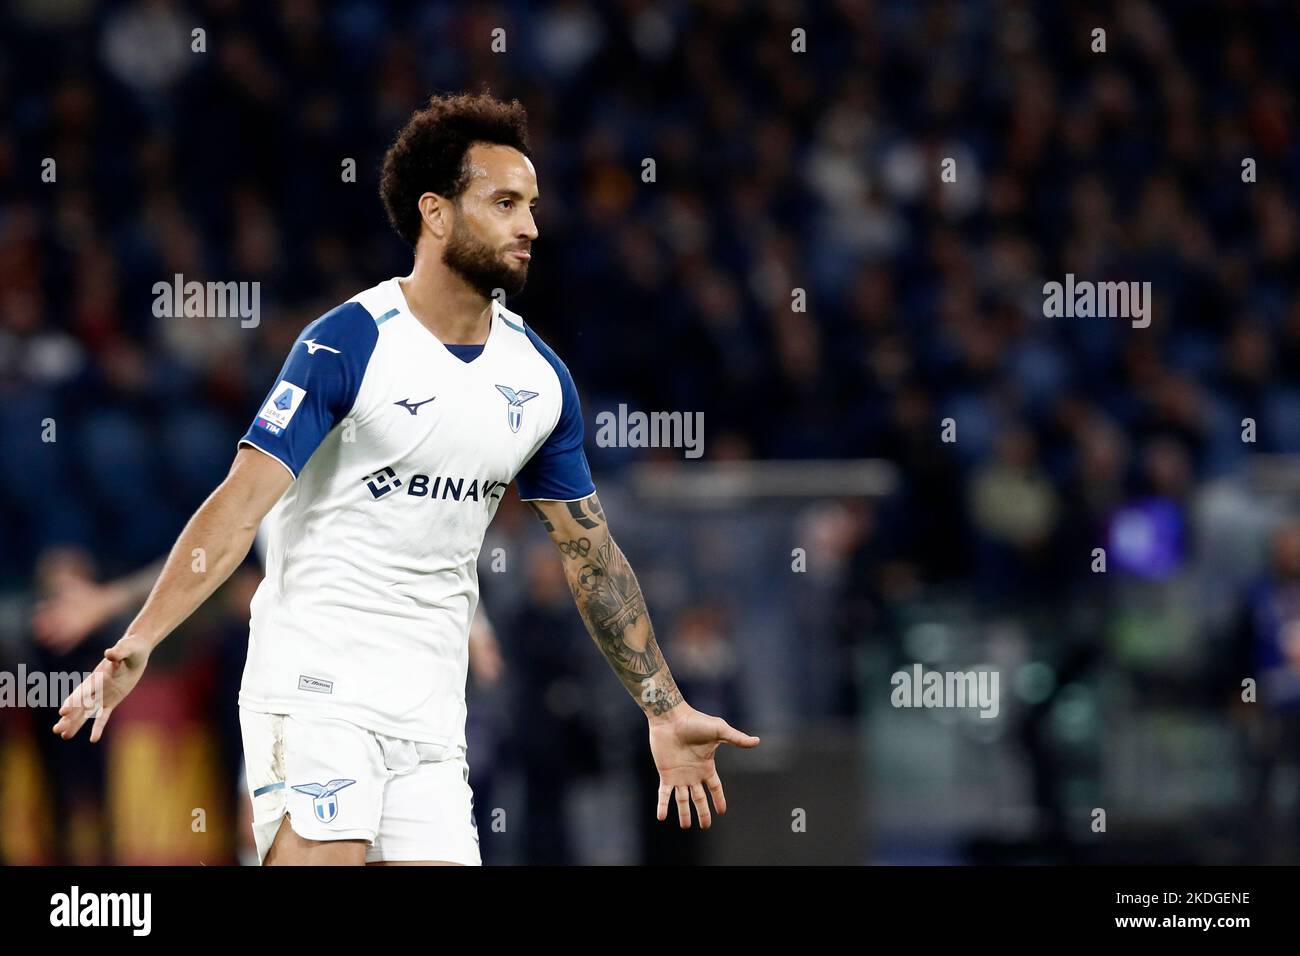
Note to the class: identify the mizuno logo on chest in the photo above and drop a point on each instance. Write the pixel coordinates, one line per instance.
(413, 407)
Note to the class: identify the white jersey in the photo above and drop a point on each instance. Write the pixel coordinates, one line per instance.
(401, 448)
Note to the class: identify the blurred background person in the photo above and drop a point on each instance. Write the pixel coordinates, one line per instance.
(77, 829)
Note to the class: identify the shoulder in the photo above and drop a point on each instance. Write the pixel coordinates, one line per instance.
(350, 329)
(349, 322)
(379, 302)
(336, 349)
(365, 313)
(537, 347)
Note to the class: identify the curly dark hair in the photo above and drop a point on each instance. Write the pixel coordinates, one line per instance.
(428, 155)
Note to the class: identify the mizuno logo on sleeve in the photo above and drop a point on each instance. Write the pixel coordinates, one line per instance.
(313, 347)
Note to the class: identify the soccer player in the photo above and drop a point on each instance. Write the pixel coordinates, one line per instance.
(379, 457)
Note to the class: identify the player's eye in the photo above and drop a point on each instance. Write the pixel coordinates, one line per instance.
(505, 203)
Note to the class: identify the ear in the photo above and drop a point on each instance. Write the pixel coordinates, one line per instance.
(437, 214)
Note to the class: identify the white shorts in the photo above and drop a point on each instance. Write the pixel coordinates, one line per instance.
(338, 781)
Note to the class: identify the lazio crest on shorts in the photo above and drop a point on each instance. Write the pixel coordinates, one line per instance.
(326, 803)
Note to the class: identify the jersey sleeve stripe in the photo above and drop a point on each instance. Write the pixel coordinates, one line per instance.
(563, 501)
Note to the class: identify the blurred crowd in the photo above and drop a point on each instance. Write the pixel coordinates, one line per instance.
(793, 266)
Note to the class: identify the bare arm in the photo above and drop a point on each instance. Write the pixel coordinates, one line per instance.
(133, 588)
(213, 543)
(609, 601)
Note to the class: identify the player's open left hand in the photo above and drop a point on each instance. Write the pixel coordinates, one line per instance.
(683, 748)
(104, 689)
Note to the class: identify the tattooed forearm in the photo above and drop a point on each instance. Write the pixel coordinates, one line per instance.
(611, 604)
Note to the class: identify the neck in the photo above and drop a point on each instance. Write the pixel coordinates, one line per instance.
(444, 303)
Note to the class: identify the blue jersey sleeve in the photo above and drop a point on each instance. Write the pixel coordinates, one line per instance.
(317, 386)
(558, 471)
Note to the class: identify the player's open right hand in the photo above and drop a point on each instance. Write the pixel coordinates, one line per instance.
(104, 689)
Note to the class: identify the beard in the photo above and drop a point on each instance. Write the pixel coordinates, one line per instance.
(480, 265)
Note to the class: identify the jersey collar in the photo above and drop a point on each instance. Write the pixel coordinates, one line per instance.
(497, 318)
